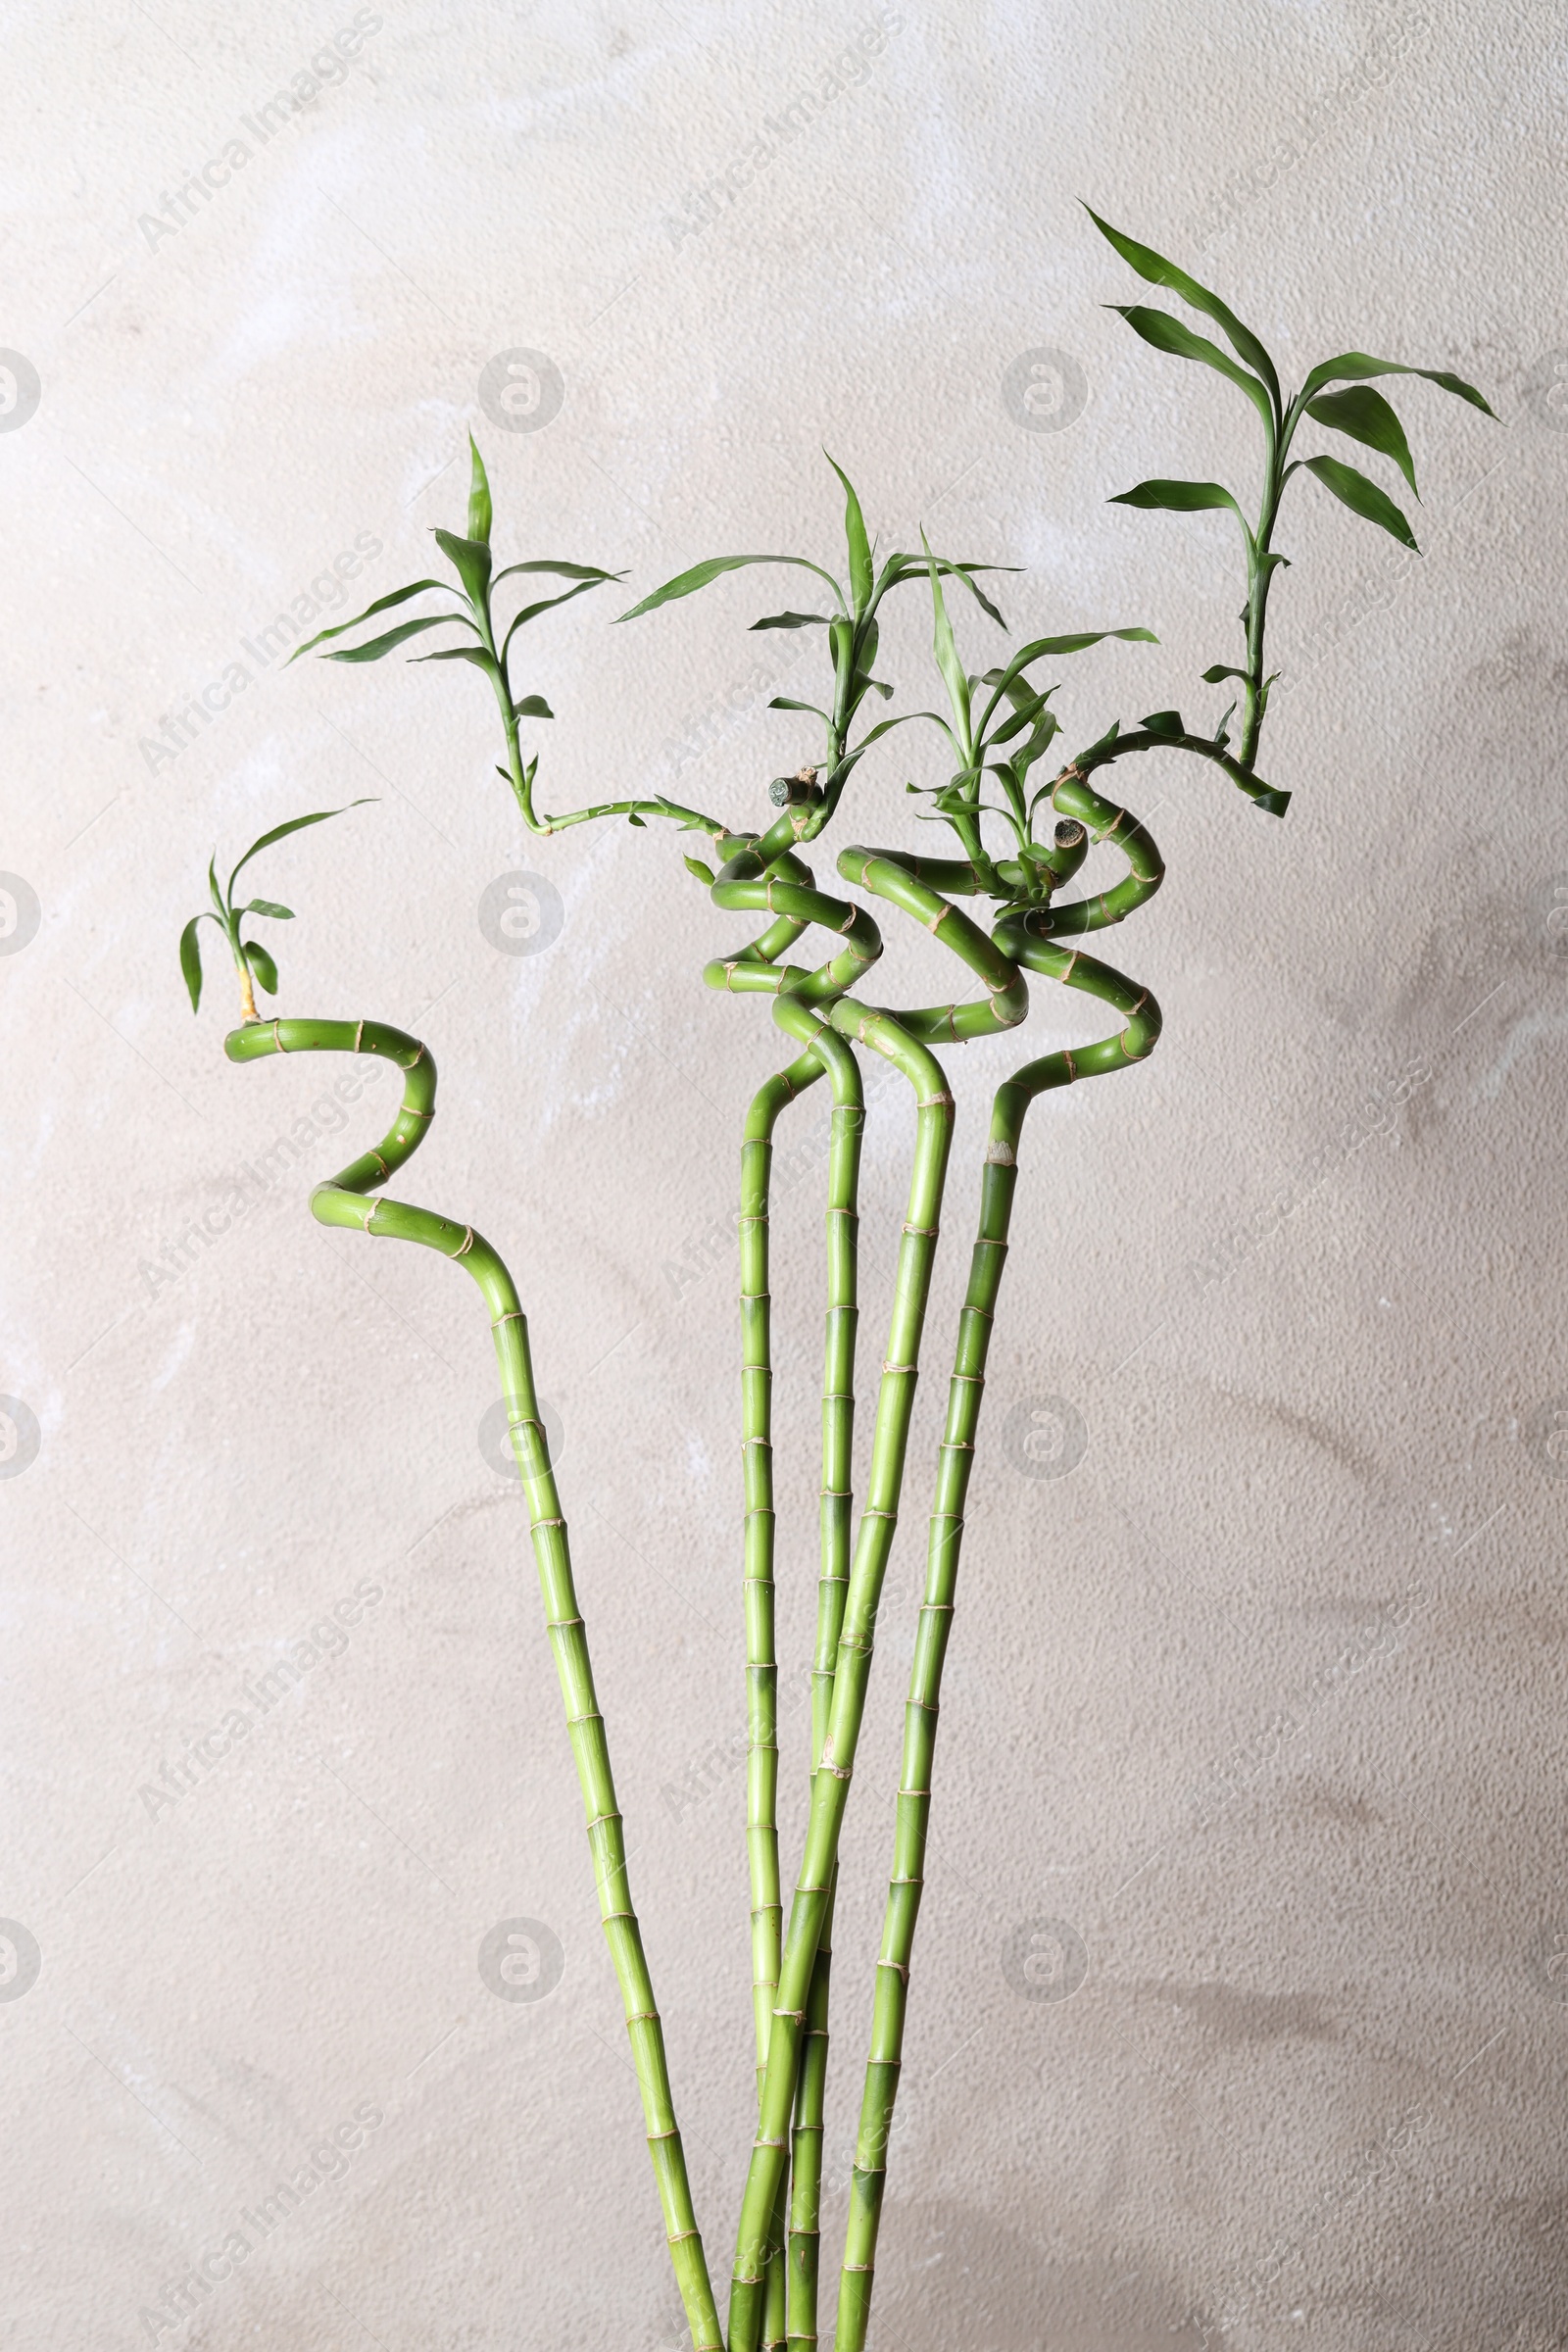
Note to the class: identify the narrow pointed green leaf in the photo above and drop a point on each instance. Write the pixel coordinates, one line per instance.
(1368, 419)
(279, 914)
(859, 546)
(901, 567)
(545, 605)
(783, 702)
(641, 823)
(1179, 498)
(686, 583)
(953, 674)
(1042, 647)
(380, 646)
(564, 572)
(1153, 268)
(792, 620)
(1212, 677)
(1164, 722)
(695, 865)
(1166, 333)
(883, 727)
(479, 508)
(294, 824)
(382, 604)
(212, 885)
(470, 559)
(533, 705)
(1354, 366)
(261, 965)
(462, 653)
(190, 958)
(1363, 497)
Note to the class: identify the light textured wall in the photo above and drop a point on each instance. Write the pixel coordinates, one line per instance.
(1263, 1699)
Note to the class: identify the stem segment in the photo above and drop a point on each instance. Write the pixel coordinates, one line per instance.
(342, 1202)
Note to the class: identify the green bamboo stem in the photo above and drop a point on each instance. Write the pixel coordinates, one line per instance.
(741, 886)
(757, 1458)
(873, 1544)
(805, 2247)
(342, 1202)
(836, 1506)
(830, 1053)
(1017, 936)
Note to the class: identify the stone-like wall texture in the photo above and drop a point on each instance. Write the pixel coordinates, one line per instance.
(1239, 2002)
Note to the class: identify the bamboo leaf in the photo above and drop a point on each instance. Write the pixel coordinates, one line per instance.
(901, 567)
(380, 646)
(859, 547)
(545, 605)
(686, 583)
(479, 508)
(783, 702)
(1041, 647)
(1368, 419)
(1179, 498)
(1153, 268)
(462, 653)
(1168, 334)
(564, 572)
(280, 914)
(382, 604)
(1363, 497)
(1354, 366)
(883, 727)
(1164, 722)
(703, 873)
(792, 620)
(1212, 677)
(261, 965)
(532, 705)
(470, 559)
(294, 824)
(953, 674)
(190, 958)
(212, 889)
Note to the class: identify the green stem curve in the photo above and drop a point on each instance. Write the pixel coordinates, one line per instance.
(342, 1202)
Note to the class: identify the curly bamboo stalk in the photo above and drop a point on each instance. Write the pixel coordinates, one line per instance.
(347, 1200)
(1016, 935)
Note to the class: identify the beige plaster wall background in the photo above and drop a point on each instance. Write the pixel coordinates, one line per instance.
(1260, 1698)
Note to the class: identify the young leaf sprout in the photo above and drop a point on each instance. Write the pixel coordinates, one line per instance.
(997, 724)
(252, 962)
